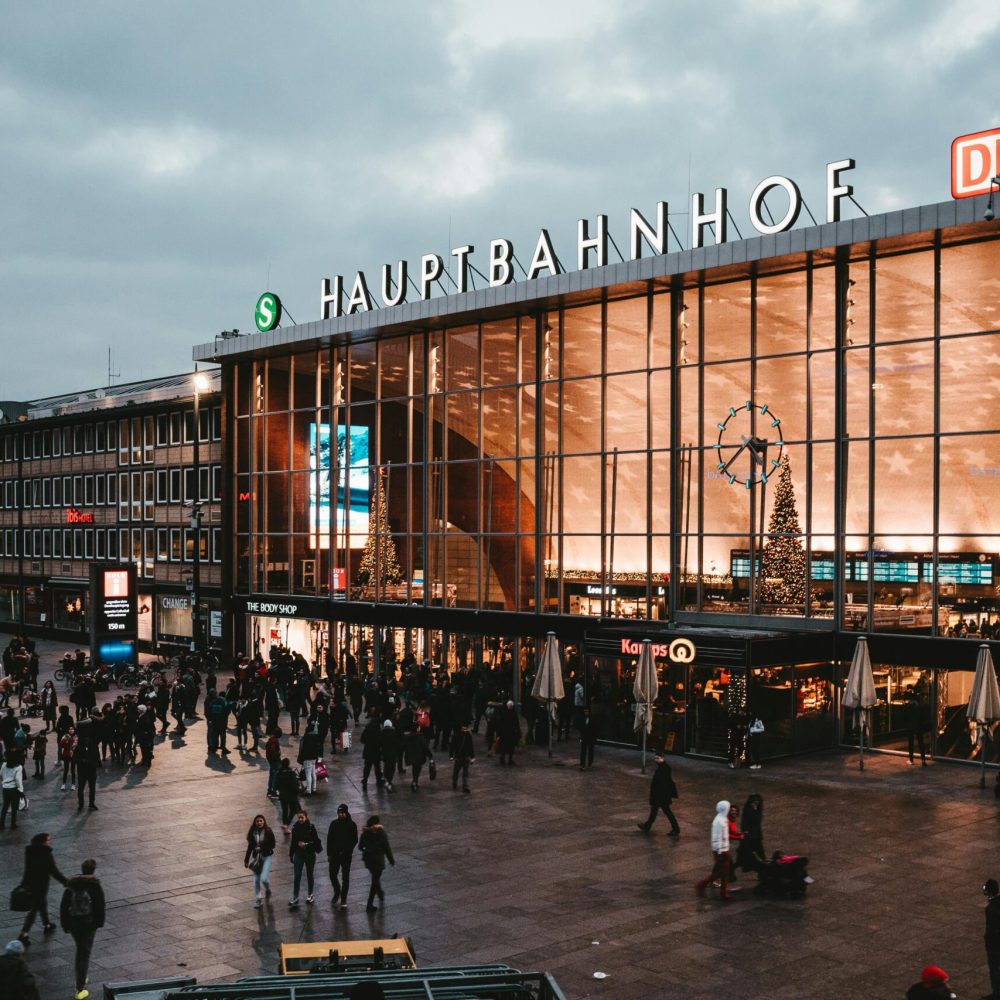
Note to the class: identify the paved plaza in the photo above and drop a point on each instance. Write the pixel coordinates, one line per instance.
(541, 867)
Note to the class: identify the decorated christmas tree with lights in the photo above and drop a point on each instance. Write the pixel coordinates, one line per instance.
(379, 559)
(783, 560)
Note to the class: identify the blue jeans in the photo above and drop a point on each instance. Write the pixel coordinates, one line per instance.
(272, 777)
(263, 877)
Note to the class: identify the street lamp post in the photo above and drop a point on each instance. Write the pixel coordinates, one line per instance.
(200, 383)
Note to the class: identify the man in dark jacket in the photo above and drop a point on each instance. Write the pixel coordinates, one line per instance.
(662, 791)
(88, 758)
(217, 719)
(508, 729)
(374, 848)
(82, 914)
(371, 753)
(341, 839)
(588, 738)
(18, 982)
(991, 890)
(39, 867)
(463, 753)
(389, 751)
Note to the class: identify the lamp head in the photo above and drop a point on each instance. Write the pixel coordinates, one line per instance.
(200, 381)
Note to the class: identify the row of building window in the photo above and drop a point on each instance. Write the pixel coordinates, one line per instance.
(138, 545)
(135, 490)
(133, 438)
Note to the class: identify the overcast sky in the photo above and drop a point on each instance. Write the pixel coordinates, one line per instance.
(163, 164)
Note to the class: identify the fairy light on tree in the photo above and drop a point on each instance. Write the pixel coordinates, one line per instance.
(783, 560)
(379, 561)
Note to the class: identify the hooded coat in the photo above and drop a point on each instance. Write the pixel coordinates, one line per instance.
(374, 848)
(720, 828)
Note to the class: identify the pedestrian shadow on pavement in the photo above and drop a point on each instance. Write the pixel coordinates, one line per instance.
(223, 764)
(265, 942)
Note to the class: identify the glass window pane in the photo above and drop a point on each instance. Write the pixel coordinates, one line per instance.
(499, 422)
(527, 332)
(781, 386)
(581, 415)
(823, 320)
(628, 498)
(362, 371)
(627, 340)
(581, 350)
(970, 287)
(858, 305)
(857, 392)
(463, 358)
(304, 392)
(277, 384)
(582, 494)
(726, 321)
(903, 387)
(968, 363)
(463, 425)
(394, 366)
(781, 314)
(500, 352)
(904, 296)
(904, 481)
(970, 477)
(659, 335)
(726, 387)
(856, 478)
(659, 406)
(625, 401)
(823, 385)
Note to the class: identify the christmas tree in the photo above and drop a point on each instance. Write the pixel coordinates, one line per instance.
(380, 549)
(783, 560)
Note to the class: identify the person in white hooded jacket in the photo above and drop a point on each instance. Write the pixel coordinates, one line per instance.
(720, 852)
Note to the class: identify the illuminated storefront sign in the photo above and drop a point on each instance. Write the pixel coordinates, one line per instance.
(975, 161)
(74, 516)
(591, 245)
(677, 651)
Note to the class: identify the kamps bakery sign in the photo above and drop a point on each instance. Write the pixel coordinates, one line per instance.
(339, 299)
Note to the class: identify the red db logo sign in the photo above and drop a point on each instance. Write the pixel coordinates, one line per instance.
(975, 161)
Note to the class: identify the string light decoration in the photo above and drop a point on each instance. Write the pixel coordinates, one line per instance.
(783, 560)
(737, 712)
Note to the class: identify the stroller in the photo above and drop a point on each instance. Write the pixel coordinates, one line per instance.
(31, 704)
(785, 876)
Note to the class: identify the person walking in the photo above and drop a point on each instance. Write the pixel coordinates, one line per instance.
(310, 751)
(915, 718)
(39, 867)
(341, 839)
(389, 752)
(415, 751)
(371, 739)
(302, 852)
(720, 852)
(588, 738)
(463, 753)
(662, 792)
(272, 754)
(508, 730)
(87, 756)
(12, 780)
(81, 914)
(755, 733)
(67, 755)
(750, 854)
(50, 705)
(18, 982)
(38, 747)
(375, 850)
(258, 857)
(991, 938)
(287, 785)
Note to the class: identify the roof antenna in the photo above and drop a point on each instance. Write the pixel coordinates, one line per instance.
(112, 374)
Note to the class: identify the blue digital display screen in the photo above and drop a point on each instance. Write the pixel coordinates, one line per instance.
(116, 652)
(352, 483)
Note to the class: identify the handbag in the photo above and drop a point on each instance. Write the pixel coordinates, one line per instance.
(21, 899)
(256, 862)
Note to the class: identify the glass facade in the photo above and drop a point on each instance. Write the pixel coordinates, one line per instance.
(704, 450)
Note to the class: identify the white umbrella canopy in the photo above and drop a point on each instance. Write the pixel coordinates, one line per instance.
(548, 687)
(984, 703)
(645, 689)
(859, 691)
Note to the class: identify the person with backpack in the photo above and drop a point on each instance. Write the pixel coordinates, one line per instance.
(217, 719)
(81, 914)
(39, 867)
(287, 785)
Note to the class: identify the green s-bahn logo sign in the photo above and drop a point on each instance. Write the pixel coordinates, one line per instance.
(267, 315)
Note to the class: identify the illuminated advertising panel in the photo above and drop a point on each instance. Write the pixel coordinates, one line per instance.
(114, 601)
(352, 485)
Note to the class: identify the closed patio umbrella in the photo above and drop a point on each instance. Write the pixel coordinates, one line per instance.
(548, 686)
(645, 689)
(984, 704)
(859, 691)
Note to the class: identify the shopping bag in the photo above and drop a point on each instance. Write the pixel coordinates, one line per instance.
(345, 740)
(321, 772)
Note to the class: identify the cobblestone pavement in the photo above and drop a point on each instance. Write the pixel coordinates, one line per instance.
(541, 867)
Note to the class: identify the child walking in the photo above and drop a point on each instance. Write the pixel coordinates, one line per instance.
(38, 753)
